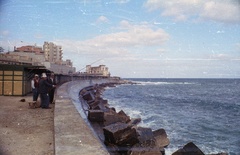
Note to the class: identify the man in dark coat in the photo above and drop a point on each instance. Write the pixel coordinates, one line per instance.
(52, 81)
(44, 86)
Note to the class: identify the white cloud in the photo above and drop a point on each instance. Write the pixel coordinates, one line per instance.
(238, 47)
(102, 19)
(5, 33)
(120, 1)
(128, 36)
(221, 11)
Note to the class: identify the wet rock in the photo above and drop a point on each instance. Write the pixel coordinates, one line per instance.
(96, 115)
(134, 121)
(222, 153)
(88, 96)
(99, 106)
(111, 117)
(146, 148)
(123, 117)
(147, 143)
(120, 134)
(189, 149)
(161, 138)
(144, 134)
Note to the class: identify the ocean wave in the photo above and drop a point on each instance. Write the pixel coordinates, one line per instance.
(163, 83)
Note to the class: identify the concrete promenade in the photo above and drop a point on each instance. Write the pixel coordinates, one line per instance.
(72, 133)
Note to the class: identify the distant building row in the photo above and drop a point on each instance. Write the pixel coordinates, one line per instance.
(49, 56)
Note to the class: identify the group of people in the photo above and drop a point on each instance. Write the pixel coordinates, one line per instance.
(44, 87)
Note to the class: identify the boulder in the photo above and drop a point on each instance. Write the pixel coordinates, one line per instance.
(146, 148)
(88, 96)
(98, 106)
(120, 134)
(161, 138)
(134, 121)
(111, 117)
(222, 153)
(96, 115)
(189, 149)
(144, 134)
(123, 117)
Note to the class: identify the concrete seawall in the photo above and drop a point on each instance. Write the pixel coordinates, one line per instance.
(72, 133)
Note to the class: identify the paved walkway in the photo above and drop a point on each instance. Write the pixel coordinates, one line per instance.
(72, 134)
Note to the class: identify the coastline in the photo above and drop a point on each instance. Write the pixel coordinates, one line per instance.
(67, 134)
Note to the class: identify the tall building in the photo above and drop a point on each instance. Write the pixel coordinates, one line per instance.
(52, 52)
(50, 57)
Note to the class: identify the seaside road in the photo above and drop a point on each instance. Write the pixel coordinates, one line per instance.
(72, 133)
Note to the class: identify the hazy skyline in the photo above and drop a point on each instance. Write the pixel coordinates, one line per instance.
(134, 38)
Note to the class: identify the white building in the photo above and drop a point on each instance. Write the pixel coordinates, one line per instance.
(52, 52)
(100, 70)
(50, 57)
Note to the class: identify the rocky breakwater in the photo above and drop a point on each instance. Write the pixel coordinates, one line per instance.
(120, 133)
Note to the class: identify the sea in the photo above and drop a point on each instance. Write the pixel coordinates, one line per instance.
(203, 111)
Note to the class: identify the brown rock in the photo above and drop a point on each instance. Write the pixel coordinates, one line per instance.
(134, 121)
(144, 134)
(123, 117)
(88, 96)
(96, 115)
(112, 117)
(189, 149)
(161, 138)
(222, 153)
(146, 148)
(120, 134)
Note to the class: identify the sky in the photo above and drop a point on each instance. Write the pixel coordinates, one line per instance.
(133, 38)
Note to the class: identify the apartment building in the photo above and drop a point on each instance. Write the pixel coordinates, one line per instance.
(52, 52)
(100, 70)
(32, 55)
(49, 56)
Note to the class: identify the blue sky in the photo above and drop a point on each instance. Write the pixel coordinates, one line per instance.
(134, 38)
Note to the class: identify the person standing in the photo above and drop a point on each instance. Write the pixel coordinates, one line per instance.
(35, 86)
(52, 81)
(44, 86)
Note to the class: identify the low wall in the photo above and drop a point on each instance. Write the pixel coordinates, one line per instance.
(72, 133)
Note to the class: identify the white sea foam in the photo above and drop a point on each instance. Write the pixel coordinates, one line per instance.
(163, 83)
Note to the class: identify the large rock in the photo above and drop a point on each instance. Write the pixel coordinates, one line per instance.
(88, 96)
(120, 134)
(146, 148)
(134, 121)
(112, 117)
(161, 138)
(144, 134)
(222, 153)
(96, 115)
(123, 117)
(147, 144)
(189, 149)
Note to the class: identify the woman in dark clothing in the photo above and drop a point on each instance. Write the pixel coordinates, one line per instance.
(44, 86)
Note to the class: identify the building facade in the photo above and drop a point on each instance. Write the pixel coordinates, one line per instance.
(49, 56)
(52, 52)
(100, 70)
